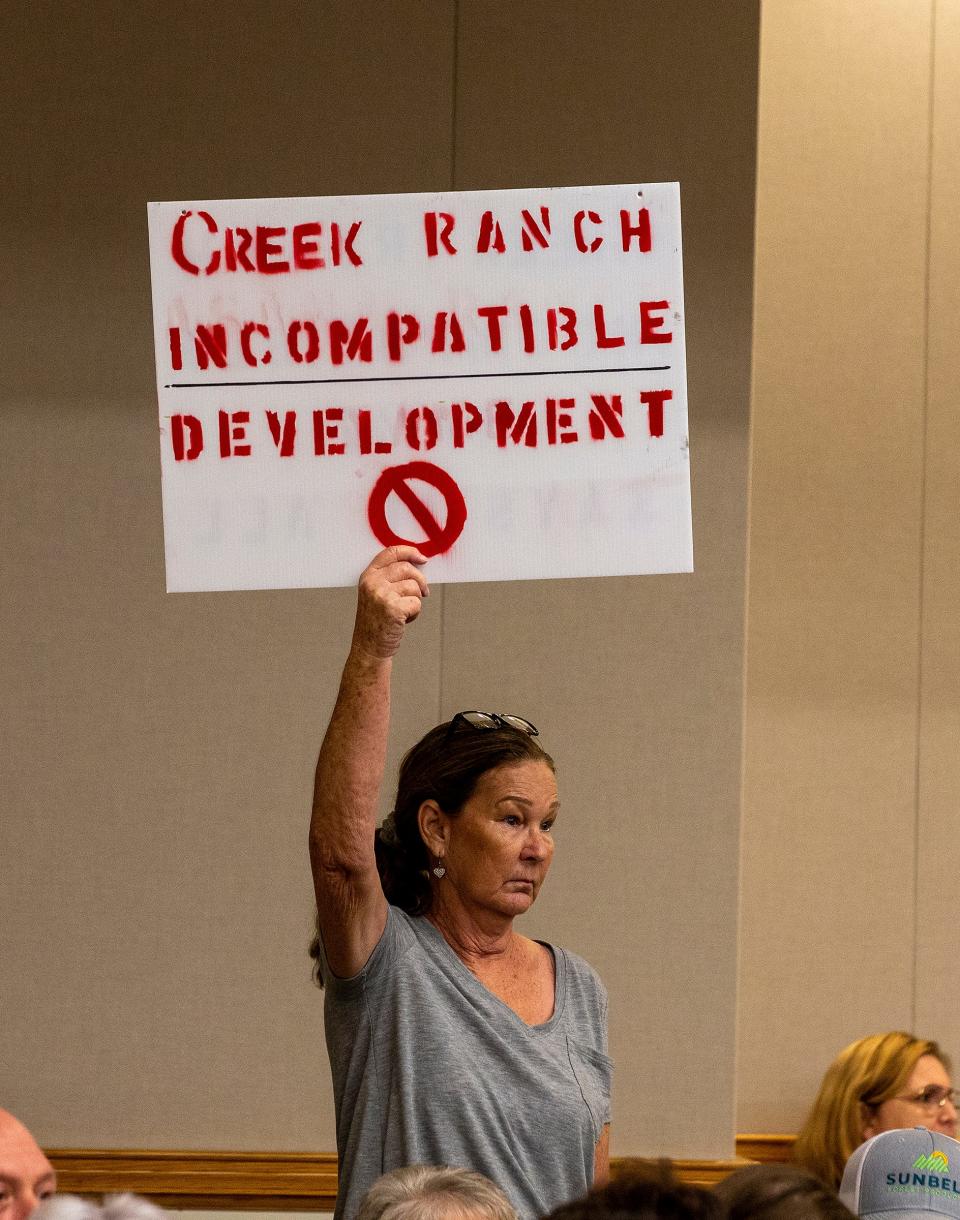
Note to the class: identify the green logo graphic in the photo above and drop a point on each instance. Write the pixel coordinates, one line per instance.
(936, 1162)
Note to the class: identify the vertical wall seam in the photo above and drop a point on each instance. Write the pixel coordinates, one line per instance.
(443, 636)
(745, 657)
(454, 83)
(454, 98)
(921, 572)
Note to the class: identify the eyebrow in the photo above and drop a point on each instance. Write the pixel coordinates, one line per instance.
(526, 802)
(11, 1180)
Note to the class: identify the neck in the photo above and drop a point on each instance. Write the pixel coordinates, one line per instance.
(474, 937)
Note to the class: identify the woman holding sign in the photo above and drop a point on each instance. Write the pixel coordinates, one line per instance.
(453, 1039)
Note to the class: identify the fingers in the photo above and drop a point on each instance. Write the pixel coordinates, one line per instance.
(408, 576)
(397, 554)
(397, 565)
(410, 588)
(409, 607)
(393, 600)
(390, 595)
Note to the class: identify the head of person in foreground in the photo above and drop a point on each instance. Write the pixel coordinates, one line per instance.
(26, 1176)
(778, 1192)
(904, 1175)
(427, 1192)
(880, 1083)
(643, 1190)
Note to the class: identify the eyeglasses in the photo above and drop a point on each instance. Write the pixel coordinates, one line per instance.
(493, 720)
(933, 1097)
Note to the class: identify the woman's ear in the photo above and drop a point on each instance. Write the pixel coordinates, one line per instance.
(434, 827)
(868, 1118)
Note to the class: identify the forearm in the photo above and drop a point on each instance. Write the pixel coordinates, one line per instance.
(350, 903)
(601, 1158)
(350, 767)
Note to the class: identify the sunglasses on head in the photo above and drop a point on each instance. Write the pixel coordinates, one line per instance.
(492, 720)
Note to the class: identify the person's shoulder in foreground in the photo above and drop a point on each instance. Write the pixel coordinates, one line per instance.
(904, 1175)
(26, 1176)
(114, 1207)
(646, 1190)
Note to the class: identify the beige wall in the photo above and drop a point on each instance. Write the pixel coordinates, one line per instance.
(158, 750)
(850, 841)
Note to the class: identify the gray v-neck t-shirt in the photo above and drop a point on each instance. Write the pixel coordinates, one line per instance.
(430, 1067)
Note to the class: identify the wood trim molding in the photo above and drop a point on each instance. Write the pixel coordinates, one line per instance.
(290, 1181)
(694, 1173)
(766, 1148)
(207, 1181)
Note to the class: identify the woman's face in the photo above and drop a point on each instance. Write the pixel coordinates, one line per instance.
(908, 1109)
(500, 845)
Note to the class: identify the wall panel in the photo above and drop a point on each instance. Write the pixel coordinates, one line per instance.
(827, 901)
(158, 750)
(938, 828)
(636, 682)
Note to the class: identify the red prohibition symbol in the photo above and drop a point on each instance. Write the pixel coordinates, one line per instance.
(397, 480)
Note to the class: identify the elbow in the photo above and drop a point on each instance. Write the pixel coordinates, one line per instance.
(335, 863)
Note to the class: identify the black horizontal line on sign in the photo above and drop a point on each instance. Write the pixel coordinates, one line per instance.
(204, 385)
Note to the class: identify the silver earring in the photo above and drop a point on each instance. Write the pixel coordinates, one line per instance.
(439, 871)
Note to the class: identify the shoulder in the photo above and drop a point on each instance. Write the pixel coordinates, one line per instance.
(398, 938)
(584, 986)
(400, 934)
(580, 969)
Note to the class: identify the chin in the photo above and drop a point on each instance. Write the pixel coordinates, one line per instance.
(518, 903)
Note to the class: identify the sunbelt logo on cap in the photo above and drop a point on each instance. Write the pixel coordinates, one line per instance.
(936, 1162)
(929, 1172)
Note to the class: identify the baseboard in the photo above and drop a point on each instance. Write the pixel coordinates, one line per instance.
(290, 1181)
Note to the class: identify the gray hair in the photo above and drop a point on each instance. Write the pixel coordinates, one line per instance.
(114, 1207)
(425, 1192)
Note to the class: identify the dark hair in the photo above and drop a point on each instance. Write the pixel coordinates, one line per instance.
(778, 1192)
(643, 1191)
(444, 766)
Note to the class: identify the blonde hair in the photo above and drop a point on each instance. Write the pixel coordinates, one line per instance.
(863, 1076)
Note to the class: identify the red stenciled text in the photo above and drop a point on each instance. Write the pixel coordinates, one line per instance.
(334, 431)
(486, 330)
(199, 246)
(534, 230)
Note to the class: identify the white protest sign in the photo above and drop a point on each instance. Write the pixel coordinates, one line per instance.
(498, 377)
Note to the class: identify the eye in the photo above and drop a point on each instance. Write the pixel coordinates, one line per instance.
(547, 825)
(511, 819)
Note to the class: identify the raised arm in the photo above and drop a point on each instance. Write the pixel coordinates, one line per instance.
(350, 901)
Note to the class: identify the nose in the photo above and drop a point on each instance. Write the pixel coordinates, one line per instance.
(26, 1204)
(536, 845)
(948, 1115)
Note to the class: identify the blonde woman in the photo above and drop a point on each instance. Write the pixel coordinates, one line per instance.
(880, 1083)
